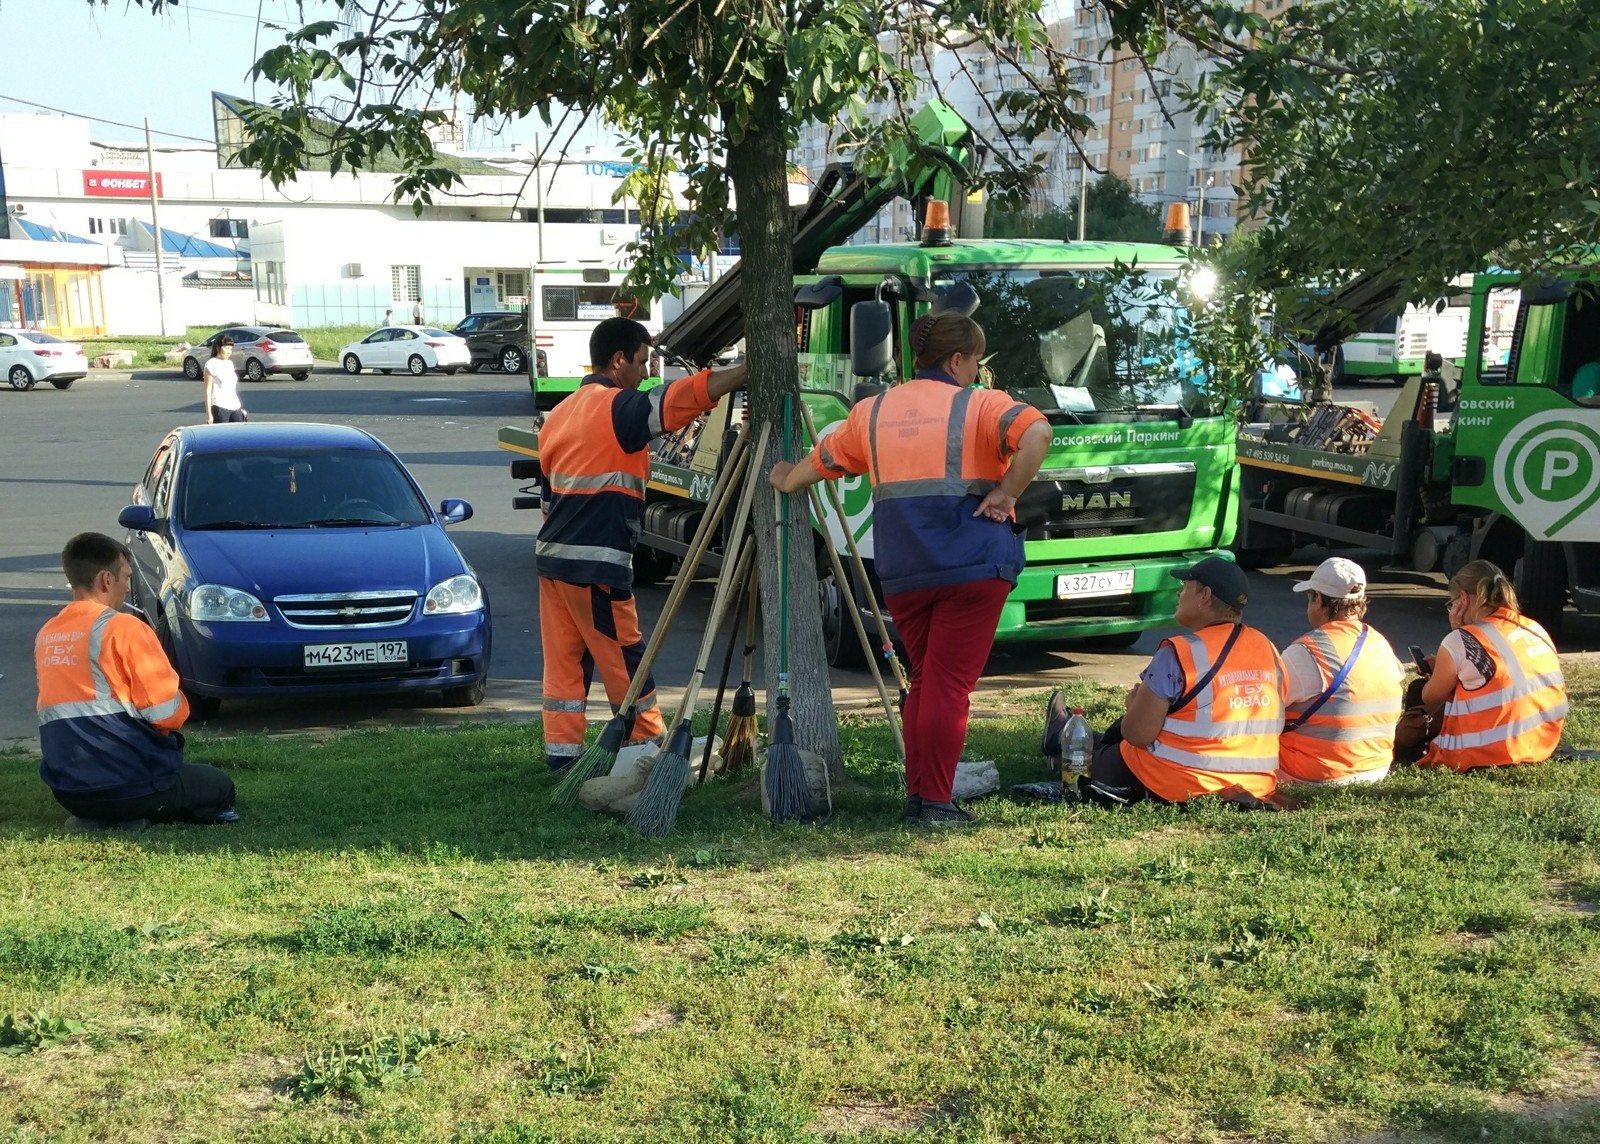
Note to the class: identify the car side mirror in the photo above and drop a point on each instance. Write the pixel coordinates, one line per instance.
(871, 339)
(454, 511)
(138, 518)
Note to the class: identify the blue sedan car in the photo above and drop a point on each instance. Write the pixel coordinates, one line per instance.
(283, 559)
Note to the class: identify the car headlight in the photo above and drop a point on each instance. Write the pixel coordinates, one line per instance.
(454, 596)
(215, 603)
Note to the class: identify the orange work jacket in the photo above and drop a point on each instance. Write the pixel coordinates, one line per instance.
(594, 453)
(1353, 732)
(1227, 735)
(108, 702)
(934, 449)
(1517, 716)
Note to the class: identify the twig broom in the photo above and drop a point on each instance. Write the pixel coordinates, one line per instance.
(735, 630)
(656, 811)
(739, 742)
(601, 755)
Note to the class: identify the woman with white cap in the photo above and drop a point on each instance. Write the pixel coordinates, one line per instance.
(1345, 686)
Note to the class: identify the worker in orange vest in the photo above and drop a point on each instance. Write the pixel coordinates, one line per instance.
(110, 707)
(1495, 695)
(1346, 687)
(946, 549)
(1205, 716)
(594, 454)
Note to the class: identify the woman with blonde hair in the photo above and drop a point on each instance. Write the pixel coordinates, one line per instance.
(947, 462)
(1495, 695)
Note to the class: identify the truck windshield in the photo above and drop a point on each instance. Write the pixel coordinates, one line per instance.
(1086, 345)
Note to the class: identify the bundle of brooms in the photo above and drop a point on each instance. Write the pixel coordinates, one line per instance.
(601, 756)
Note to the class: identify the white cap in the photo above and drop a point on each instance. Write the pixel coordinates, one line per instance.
(1337, 579)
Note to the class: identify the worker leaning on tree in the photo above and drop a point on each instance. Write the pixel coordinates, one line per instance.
(595, 459)
(948, 462)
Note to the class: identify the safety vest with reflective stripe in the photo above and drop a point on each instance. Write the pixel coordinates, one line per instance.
(1516, 716)
(1227, 735)
(595, 459)
(108, 702)
(933, 448)
(1353, 731)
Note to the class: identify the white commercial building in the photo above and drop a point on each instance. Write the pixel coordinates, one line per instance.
(78, 239)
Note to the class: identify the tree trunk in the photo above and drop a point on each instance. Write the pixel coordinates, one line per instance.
(760, 169)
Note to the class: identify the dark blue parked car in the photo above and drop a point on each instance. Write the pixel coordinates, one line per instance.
(284, 559)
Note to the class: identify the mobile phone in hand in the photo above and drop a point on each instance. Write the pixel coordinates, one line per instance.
(1420, 658)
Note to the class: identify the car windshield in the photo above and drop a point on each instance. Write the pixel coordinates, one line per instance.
(1081, 345)
(297, 488)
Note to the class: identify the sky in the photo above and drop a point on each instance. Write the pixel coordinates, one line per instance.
(121, 63)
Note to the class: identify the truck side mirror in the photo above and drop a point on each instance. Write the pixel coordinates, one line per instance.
(871, 339)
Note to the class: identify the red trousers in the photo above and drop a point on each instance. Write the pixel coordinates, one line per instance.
(948, 632)
(584, 627)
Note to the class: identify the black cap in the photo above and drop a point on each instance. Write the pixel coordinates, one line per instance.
(1225, 579)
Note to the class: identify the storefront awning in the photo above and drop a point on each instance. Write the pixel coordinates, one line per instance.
(38, 232)
(174, 242)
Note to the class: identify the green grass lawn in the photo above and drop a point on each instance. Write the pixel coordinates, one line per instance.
(403, 941)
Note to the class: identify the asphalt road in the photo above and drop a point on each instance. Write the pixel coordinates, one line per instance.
(71, 458)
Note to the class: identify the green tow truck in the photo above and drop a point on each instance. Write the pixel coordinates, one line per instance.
(1495, 460)
(1140, 478)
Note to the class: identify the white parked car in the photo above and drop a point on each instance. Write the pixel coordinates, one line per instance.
(28, 357)
(415, 349)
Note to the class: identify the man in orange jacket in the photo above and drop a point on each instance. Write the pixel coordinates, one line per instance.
(110, 707)
(594, 454)
(1205, 716)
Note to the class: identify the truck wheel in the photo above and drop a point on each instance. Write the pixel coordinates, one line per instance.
(1541, 580)
(1269, 557)
(839, 639)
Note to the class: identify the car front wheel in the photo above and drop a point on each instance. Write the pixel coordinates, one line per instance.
(20, 378)
(253, 370)
(469, 696)
(416, 365)
(352, 364)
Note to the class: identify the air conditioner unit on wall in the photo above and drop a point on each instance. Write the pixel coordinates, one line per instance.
(352, 270)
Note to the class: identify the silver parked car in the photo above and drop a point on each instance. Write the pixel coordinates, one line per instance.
(257, 351)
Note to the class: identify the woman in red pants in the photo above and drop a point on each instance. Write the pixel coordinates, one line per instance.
(947, 462)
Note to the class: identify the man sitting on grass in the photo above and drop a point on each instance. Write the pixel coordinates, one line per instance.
(110, 708)
(1205, 716)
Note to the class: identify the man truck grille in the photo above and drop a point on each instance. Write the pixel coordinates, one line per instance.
(1109, 500)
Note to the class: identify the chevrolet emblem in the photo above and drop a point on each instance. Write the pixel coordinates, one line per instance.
(349, 612)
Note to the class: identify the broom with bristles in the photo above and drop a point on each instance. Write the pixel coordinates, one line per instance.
(601, 756)
(788, 793)
(656, 811)
(746, 590)
(739, 741)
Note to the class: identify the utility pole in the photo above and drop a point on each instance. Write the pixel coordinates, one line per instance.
(155, 223)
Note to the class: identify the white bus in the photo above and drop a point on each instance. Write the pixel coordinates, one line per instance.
(568, 301)
(1395, 348)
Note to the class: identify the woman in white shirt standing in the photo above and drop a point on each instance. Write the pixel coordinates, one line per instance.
(222, 385)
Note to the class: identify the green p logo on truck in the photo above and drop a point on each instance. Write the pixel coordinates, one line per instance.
(1547, 469)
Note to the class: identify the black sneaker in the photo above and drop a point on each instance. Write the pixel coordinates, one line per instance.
(913, 814)
(942, 815)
